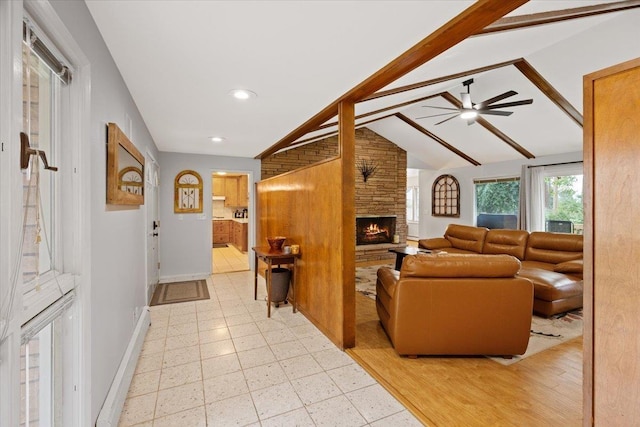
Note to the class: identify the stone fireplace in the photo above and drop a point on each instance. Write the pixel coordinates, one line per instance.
(373, 229)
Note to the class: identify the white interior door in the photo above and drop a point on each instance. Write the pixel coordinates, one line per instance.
(153, 225)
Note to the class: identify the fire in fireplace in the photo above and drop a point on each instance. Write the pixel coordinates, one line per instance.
(372, 229)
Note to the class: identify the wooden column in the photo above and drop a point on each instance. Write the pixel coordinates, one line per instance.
(347, 142)
(612, 246)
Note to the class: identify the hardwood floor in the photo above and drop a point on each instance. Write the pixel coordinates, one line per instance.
(542, 390)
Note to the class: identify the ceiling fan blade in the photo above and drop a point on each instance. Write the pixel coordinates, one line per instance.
(436, 115)
(440, 108)
(495, 112)
(509, 104)
(466, 100)
(500, 97)
(446, 120)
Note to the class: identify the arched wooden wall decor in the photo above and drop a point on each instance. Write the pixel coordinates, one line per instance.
(445, 195)
(188, 192)
(130, 180)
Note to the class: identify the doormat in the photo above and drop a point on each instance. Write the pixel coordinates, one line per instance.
(220, 245)
(170, 293)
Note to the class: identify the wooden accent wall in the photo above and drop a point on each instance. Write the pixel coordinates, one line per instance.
(313, 207)
(612, 246)
(382, 194)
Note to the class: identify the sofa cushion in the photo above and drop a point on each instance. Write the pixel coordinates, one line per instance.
(466, 237)
(434, 243)
(510, 242)
(570, 267)
(549, 285)
(553, 248)
(459, 265)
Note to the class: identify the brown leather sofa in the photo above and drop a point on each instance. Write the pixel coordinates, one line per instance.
(553, 261)
(455, 304)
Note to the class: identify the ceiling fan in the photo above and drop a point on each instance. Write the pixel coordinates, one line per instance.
(470, 111)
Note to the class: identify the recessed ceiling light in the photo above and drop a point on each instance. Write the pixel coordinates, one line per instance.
(217, 139)
(242, 94)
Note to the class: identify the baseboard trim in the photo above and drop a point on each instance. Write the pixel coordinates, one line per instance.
(184, 277)
(110, 413)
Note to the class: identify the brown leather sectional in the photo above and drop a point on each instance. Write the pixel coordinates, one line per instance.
(553, 261)
(456, 304)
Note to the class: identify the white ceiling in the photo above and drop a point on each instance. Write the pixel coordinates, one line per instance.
(180, 59)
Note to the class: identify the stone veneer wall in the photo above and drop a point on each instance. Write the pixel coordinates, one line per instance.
(383, 194)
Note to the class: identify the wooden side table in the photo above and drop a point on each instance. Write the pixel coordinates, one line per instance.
(271, 257)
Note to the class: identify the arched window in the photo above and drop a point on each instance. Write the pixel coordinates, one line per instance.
(188, 192)
(446, 196)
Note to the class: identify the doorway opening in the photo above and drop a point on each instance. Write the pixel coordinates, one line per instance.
(230, 222)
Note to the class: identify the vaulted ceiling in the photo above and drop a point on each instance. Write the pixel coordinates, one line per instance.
(180, 59)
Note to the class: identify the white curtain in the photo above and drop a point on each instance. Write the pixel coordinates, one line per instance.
(531, 215)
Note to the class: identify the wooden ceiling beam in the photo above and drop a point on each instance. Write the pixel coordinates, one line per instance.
(523, 21)
(437, 80)
(491, 128)
(556, 97)
(382, 110)
(479, 15)
(335, 132)
(436, 138)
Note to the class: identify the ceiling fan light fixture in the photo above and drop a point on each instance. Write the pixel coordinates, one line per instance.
(468, 114)
(242, 94)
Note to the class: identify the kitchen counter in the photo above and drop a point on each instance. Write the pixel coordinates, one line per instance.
(240, 220)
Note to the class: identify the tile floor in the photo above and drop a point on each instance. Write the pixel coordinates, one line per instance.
(226, 260)
(222, 362)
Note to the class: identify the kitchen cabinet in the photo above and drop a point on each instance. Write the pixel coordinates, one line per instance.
(218, 186)
(239, 235)
(243, 191)
(222, 231)
(231, 192)
(235, 190)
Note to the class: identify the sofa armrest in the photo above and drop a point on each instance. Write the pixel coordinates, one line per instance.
(434, 243)
(388, 280)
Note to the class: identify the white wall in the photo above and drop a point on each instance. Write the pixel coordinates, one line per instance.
(431, 226)
(185, 239)
(117, 283)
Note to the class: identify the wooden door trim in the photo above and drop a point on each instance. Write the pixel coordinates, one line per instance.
(589, 256)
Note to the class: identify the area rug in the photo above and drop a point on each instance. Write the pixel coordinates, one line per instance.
(545, 332)
(548, 332)
(366, 279)
(171, 293)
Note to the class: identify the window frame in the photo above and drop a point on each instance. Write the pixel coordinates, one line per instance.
(477, 181)
(560, 170)
(415, 209)
(75, 204)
